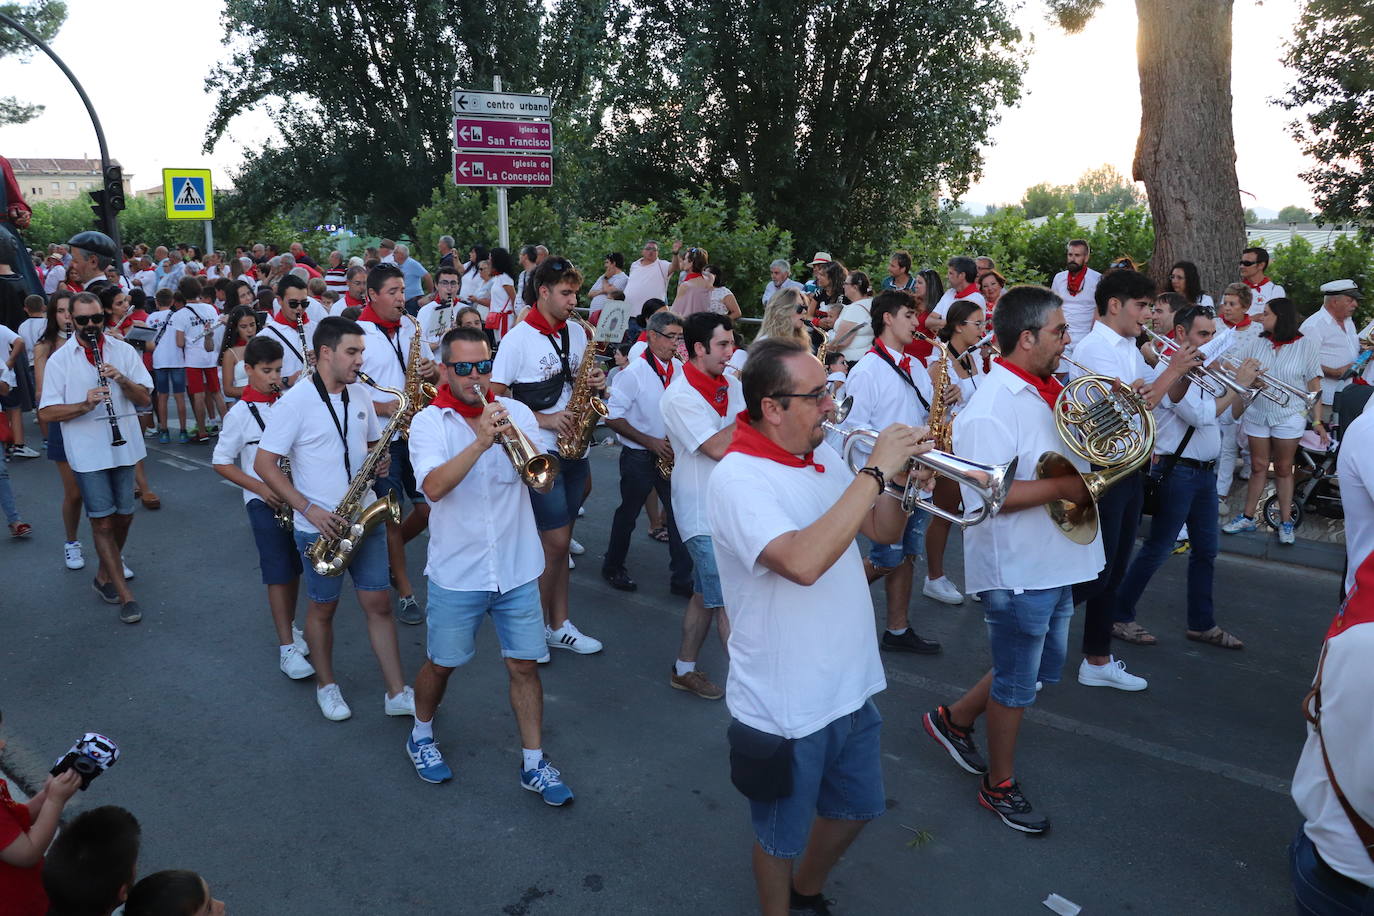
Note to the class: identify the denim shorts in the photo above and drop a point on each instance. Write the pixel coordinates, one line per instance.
(370, 568)
(400, 477)
(1029, 635)
(277, 554)
(454, 617)
(886, 556)
(107, 492)
(169, 381)
(56, 449)
(837, 772)
(705, 577)
(558, 507)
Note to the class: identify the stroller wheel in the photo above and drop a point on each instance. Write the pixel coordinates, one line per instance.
(1272, 518)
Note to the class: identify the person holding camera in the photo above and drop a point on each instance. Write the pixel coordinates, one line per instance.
(26, 831)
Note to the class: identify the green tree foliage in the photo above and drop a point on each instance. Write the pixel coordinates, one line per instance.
(1334, 95)
(1294, 214)
(469, 215)
(43, 18)
(1302, 269)
(1096, 191)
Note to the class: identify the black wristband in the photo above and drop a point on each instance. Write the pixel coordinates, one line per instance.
(876, 475)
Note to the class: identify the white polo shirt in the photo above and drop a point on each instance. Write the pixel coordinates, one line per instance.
(192, 321)
(301, 429)
(292, 357)
(1172, 419)
(950, 297)
(166, 353)
(800, 656)
(1080, 310)
(385, 358)
(67, 378)
(239, 437)
(1356, 472)
(1262, 294)
(482, 536)
(435, 320)
(1105, 352)
(1018, 549)
(636, 394)
(1337, 346)
(882, 396)
(690, 420)
(527, 355)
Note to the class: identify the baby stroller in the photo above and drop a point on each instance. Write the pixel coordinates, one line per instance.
(1316, 487)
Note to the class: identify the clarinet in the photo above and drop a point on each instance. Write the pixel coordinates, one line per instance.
(116, 438)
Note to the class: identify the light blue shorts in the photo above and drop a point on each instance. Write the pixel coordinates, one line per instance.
(454, 618)
(705, 578)
(886, 556)
(370, 568)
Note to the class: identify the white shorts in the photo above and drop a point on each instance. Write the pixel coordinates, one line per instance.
(1291, 428)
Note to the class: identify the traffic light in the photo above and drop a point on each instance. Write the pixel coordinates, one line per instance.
(114, 189)
(100, 206)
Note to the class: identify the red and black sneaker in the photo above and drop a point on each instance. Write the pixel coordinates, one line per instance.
(1006, 801)
(957, 741)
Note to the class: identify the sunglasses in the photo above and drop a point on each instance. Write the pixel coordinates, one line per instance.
(463, 370)
(296, 303)
(1184, 315)
(83, 320)
(801, 309)
(1248, 263)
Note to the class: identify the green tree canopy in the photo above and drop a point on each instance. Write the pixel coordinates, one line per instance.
(43, 18)
(1294, 214)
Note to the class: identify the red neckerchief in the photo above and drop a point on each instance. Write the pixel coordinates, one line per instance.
(716, 390)
(643, 337)
(388, 326)
(749, 441)
(73, 286)
(351, 303)
(445, 398)
(1359, 604)
(254, 396)
(535, 319)
(690, 276)
(90, 354)
(280, 318)
(1276, 343)
(966, 291)
(904, 364)
(1047, 388)
(1238, 324)
(664, 375)
(1257, 286)
(1075, 281)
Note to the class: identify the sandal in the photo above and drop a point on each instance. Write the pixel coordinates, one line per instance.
(1133, 632)
(1216, 637)
(20, 529)
(150, 500)
(659, 534)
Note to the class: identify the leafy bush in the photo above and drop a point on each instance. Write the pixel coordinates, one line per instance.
(1301, 270)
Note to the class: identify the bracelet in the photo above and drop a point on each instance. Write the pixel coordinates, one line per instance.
(876, 475)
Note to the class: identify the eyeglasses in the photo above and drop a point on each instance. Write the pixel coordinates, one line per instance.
(449, 282)
(296, 303)
(1058, 332)
(82, 320)
(1245, 263)
(463, 370)
(816, 395)
(672, 337)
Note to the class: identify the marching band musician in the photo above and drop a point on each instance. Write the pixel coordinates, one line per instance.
(699, 409)
(282, 326)
(635, 417)
(438, 315)
(484, 557)
(235, 450)
(784, 510)
(386, 361)
(326, 427)
(1017, 561)
(887, 388)
(537, 364)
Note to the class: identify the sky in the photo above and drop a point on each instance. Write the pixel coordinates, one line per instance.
(154, 108)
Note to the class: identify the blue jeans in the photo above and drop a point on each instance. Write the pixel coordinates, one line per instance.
(1320, 890)
(1118, 514)
(1189, 494)
(1028, 632)
(639, 475)
(7, 493)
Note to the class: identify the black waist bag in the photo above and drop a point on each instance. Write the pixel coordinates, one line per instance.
(538, 395)
(760, 763)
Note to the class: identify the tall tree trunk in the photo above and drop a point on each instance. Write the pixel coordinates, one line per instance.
(1186, 153)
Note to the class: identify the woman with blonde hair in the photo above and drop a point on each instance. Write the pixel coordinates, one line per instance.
(784, 316)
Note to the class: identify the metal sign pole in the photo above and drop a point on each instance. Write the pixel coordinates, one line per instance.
(502, 205)
(209, 238)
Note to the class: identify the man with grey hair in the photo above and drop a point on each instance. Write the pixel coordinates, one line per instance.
(418, 281)
(92, 252)
(446, 251)
(1333, 326)
(782, 279)
(636, 419)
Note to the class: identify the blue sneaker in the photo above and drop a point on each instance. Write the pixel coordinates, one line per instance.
(163, 437)
(1238, 524)
(429, 763)
(1287, 534)
(184, 438)
(548, 782)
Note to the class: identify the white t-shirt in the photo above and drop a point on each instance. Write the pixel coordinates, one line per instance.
(301, 429)
(1336, 345)
(636, 395)
(1017, 549)
(950, 297)
(526, 355)
(482, 536)
(147, 281)
(1355, 466)
(690, 420)
(800, 656)
(53, 279)
(502, 299)
(192, 321)
(647, 281)
(858, 313)
(470, 282)
(1262, 294)
(67, 378)
(1080, 311)
(882, 397)
(7, 339)
(618, 282)
(292, 359)
(385, 358)
(30, 330)
(238, 439)
(166, 355)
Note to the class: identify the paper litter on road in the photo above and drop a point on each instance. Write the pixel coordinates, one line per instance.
(1061, 906)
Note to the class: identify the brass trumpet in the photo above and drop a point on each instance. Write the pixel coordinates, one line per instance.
(1216, 382)
(537, 469)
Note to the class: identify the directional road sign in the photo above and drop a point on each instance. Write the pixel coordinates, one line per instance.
(508, 170)
(187, 194)
(502, 135)
(510, 104)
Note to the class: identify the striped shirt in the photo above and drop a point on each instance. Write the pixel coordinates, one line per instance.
(334, 280)
(1296, 363)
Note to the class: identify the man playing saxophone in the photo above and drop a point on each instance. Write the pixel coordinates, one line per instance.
(395, 358)
(538, 365)
(483, 555)
(327, 426)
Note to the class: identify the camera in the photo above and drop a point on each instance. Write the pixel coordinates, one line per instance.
(90, 756)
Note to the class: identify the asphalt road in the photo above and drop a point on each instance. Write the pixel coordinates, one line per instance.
(1169, 801)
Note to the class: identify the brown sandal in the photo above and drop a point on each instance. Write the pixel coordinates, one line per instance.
(1132, 632)
(1216, 637)
(150, 500)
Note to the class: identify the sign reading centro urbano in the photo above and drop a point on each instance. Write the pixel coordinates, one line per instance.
(510, 104)
(502, 135)
(187, 194)
(511, 170)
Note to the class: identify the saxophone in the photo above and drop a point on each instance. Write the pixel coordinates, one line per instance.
(329, 555)
(582, 403)
(418, 393)
(285, 517)
(941, 429)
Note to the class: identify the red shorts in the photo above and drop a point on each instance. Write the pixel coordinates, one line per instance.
(199, 381)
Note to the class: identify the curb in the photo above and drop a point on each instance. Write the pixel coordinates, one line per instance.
(1264, 545)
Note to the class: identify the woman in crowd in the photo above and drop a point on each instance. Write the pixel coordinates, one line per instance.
(854, 327)
(829, 295)
(242, 326)
(469, 316)
(991, 284)
(1285, 354)
(899, 273)
(238, 292)
(500, 292)
(785, 317)
(1185, 280)
(723, 301)
(694, 292)
(928, 289)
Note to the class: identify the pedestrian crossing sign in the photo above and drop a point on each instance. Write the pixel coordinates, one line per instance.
(187, 194)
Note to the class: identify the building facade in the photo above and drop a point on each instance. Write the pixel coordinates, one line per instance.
(60, 179)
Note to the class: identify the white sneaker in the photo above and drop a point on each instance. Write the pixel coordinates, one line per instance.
(332, 703)
(942, 589)
(294, 665)
(543, 659)
(71, 552)
(571, 564)
(128, 573)
(402, 704)
(23, 451)
(575, 548)
(1112, 674)
(571, 638)
(298, 640)
(581, 511)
